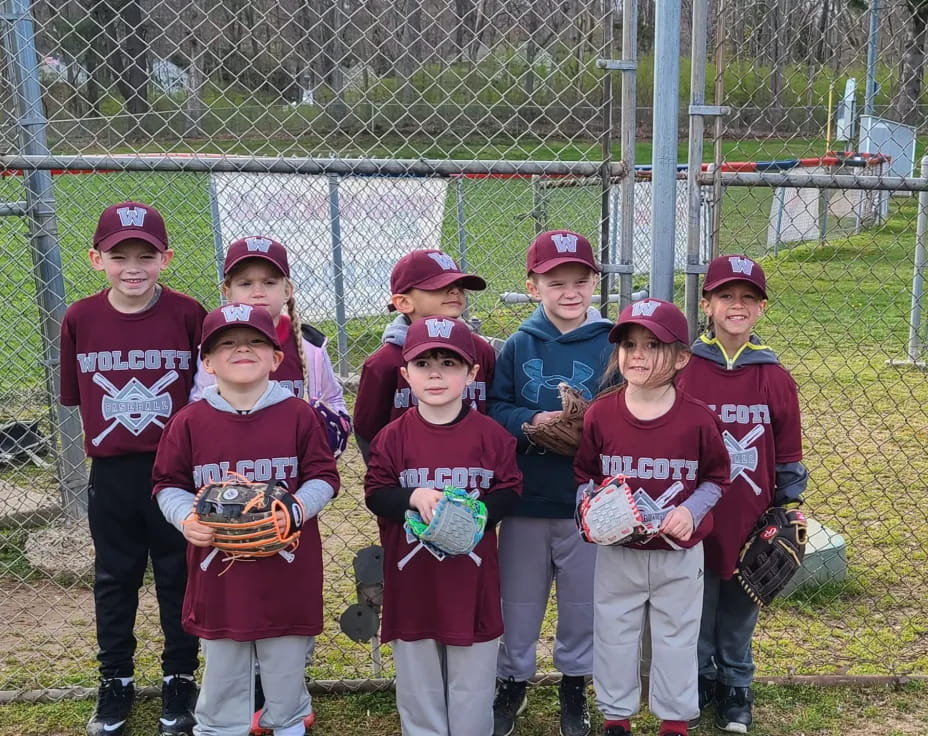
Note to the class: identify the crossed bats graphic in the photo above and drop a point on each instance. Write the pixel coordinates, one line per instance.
(743, 456)
(103, 382)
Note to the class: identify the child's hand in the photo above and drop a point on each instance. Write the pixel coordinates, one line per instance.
(678, 524)
(283, 523)
(424, 500)
(544, 416)
(199, 535)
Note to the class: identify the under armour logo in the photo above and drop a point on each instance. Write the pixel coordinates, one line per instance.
(565, 242)
(439, 327)
(131, 216)
(445, 261)
(534, 371)
(741, 265)
(237, 312)
(644, 309)
(261, 245)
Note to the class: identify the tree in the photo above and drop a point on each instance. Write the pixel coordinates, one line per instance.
(911, 67)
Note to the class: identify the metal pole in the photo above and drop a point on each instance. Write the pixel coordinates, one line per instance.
(717, 192)
(338, 275)
(462, 236)
(217, 227)
(629, 124)
(664, 152)
(872, 46)
(19, 43)
(918, 276)
(698, 56)
(605, 285)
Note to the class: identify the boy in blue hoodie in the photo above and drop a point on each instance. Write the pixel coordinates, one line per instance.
(563, 340)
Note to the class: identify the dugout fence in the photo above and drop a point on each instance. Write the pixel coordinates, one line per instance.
(845, 303)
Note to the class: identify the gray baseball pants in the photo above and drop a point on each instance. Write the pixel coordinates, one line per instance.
(443, 690)
(667, 586)
(224, 707)
(728, 621)
(533, 554)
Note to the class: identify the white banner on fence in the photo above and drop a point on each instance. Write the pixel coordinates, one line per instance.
(641, 250)
(380, 218)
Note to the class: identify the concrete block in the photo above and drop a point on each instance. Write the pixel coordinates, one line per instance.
(825, 560)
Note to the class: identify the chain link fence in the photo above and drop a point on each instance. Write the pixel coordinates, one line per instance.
(357, 130)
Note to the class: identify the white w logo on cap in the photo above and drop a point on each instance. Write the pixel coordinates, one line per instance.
(237, 312)
(565, 243)
(258, 244)
(439, 327)
(644, 309)
(131, 216)
(741, 265)
(445, 261)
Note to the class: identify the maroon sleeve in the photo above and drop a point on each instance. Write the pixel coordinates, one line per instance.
(487, 362)
(381, 466)
(375, 396)
(506, 473)
(196, 327)
(69, 392)
(174, 458)
(586, 462)
(316, 460)
(787, 425)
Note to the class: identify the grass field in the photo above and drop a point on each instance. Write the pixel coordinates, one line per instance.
(839, 312)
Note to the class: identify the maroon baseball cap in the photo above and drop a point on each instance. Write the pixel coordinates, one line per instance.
(725, 269)
(257, 246)
(664, 319)
(130, 221)
(236, 314)
(443, 333)
(555, 247)
(430, 270)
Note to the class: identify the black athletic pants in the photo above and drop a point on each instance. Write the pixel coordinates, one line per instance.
(127, 525)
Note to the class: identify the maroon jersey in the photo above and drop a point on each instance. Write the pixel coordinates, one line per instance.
(758, 405)
(269, 596)
(662, 459)
(383, 394)
(129, 373)
(454, 601)
(289, 373)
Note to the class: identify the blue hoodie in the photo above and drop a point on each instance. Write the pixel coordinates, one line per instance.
(531, 364)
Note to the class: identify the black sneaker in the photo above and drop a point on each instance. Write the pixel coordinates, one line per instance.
(734, 709)
(113, 703)
(178, 699)
(575, 715)
(707, 690)
(508, 705)
(617, 731)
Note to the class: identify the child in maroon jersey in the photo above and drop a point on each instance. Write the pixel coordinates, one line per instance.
(424, 283)
(246, 612)
(670, 449)
(757, 401)
(257, 272)
(441, 616)
(127, 360)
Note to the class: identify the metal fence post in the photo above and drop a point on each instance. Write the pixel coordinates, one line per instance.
(918, 275)
(664, 152)
(698, 57)
(462, 234)
(629, 123)
(338, 277)
(19, 44)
